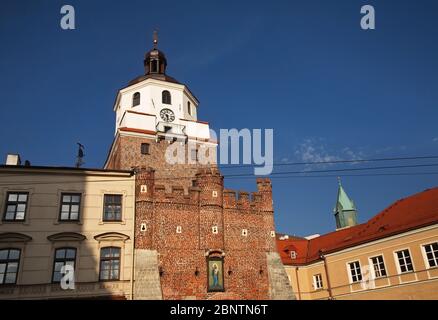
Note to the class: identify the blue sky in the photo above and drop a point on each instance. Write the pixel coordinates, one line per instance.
(304, 68)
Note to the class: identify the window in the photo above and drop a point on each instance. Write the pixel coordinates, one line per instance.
(431, 251)
(9, 262)
(145, 148)
(317, 281)
(166, 98)
(16, 203)
(136, 99)
(194, 154)
(154, 66)
(355, 272)
(112, 210)
(70, 204)
(293, 254)
(404, 261)
(63, 257)
(109, 263)
(189, 108)
(244, 232)
(378, 266)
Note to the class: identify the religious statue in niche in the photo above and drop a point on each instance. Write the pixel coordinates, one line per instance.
(215, 270)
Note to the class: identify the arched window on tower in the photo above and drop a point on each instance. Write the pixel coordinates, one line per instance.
(136, 99)
(154, 68)
(166, 98)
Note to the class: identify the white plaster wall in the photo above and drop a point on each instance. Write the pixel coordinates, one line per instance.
(151, 103)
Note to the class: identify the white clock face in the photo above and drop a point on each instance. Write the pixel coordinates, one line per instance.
(167, 115)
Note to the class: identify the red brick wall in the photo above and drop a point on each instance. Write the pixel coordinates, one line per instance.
(182, 254)
(172, 202)
(127, 155)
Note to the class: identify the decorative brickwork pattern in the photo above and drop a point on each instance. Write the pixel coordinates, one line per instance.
(183, 256)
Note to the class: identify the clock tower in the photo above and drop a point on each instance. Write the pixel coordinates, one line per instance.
(157, 126)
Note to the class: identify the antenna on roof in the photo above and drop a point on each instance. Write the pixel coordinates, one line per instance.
(79, 158)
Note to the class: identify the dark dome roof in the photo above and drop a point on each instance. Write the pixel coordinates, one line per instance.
(157, 76)
(155, 53)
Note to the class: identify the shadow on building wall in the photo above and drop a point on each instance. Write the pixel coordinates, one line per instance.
(63, 224)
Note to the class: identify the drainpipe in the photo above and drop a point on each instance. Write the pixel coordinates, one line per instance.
(133, 240)
(298, 283)
(329, 287)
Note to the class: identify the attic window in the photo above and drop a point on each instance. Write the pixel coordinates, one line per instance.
(293, 254)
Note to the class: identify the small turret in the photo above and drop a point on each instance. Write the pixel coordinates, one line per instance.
(345, 209)
(211, 185)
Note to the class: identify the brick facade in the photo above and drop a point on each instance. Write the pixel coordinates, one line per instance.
(126, 154)
(183, 256)
(185, 217)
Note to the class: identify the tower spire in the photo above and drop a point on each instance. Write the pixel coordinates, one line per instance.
(155, 39)
(345, 210)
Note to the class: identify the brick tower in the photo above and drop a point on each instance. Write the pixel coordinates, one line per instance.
(194, 239)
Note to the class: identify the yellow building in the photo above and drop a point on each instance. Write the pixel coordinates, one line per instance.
(394, 255)
(55, 217)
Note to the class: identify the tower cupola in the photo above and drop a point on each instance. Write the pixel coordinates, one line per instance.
(155, 61)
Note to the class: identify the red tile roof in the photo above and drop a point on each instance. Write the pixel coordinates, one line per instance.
(416, 211)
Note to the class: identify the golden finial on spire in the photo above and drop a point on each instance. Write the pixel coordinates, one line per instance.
(155, 37)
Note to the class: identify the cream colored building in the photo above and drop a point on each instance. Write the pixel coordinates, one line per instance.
(392, 256)
(53, 217)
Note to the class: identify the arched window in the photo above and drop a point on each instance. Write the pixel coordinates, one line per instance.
(166, 98)
(136, 99)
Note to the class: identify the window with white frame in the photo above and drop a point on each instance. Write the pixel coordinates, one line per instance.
(378, 266)
(355, 272)
(431, 251)
(317, 281)
(404, 261)
(293, 254)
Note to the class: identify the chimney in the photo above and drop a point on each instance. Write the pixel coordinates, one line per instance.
(13, 160)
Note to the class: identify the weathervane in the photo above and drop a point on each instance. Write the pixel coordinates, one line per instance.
(155, 36)
(80, 157)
